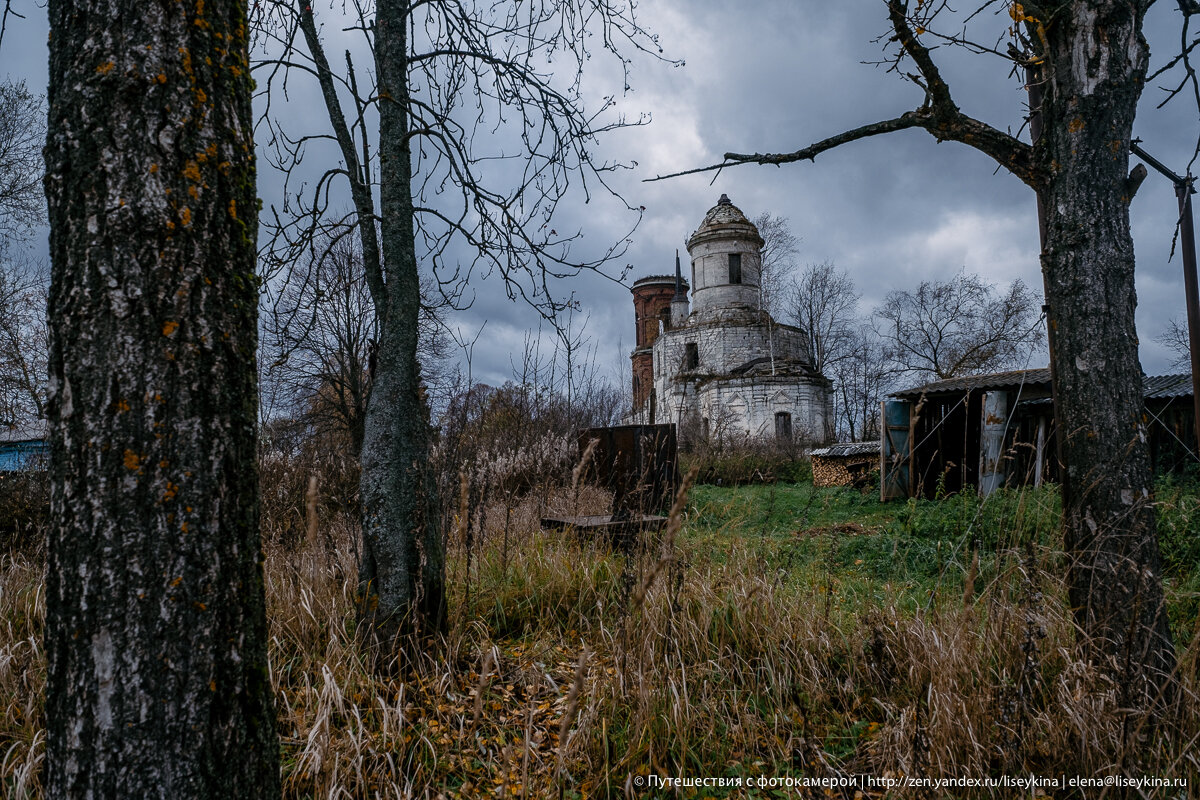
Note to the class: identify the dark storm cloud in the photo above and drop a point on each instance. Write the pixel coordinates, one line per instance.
(776, 76)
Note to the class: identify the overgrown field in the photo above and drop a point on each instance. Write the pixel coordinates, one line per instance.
(772, 631)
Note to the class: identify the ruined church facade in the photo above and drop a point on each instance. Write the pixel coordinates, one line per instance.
(717, 363)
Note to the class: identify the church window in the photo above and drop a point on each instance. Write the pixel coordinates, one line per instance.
(735, 267)
(691, 358)
(783, 426)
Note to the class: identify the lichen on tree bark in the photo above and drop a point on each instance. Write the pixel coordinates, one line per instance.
(156, 628)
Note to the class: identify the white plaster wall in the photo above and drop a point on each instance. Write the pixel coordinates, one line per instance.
(747, 407)
(710, 268)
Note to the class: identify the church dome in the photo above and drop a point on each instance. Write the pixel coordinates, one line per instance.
(725, 219)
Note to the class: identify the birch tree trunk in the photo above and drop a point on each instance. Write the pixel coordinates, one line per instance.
(156, 631)
(1096, 67)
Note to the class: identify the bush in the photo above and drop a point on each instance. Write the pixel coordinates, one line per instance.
(287, 467)
(750, 463)
(24, 510)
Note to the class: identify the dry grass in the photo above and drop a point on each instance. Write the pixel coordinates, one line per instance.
(568, 670)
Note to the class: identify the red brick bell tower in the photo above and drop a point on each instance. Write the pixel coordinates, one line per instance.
(652, 298)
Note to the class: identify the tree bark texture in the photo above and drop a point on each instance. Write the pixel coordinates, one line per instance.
(156, 630)
(401, 572)
(1093, 76)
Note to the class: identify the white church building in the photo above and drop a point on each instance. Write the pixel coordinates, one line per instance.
(718, 362)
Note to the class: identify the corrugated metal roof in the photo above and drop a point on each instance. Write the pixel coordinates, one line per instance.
(1157, 386)
(31, 432)
(995, 380)
(848, 449)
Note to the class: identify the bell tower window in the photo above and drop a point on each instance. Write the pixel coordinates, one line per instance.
(735, 267)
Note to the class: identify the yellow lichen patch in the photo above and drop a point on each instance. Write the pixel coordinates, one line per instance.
(233, 209)
(199, 8)
(185, 216)
(1075, 125)
(193, 192)
(122, 405)
(176, 582)
(132, 460)
(201, 97)
(105, 68)
(169, 494)
(183, 527)
(192, 172)
(153, 168)
(161, 77)
(169, 327)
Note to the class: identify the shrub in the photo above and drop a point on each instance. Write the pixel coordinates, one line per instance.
(24, 510)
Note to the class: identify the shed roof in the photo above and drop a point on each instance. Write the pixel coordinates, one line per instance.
(1154, 386)
(1158, 386)
(995, 380)
(29, 432)
(847, 449)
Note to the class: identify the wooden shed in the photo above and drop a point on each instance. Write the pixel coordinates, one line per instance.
(23, 448)
(988, 431)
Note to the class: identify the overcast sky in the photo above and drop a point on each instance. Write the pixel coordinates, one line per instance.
(776, 75)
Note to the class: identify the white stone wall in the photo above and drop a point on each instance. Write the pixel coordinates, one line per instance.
(726, 345)
(738, 406)
(747, 407)
(711, 288)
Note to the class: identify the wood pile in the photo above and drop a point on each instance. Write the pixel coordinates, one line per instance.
(847, 464)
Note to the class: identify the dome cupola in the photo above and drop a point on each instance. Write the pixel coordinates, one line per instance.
(726, 253)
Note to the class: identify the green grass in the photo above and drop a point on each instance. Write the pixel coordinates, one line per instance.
(788, 627)
(915, 552)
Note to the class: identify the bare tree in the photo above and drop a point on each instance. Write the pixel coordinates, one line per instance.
(22, 283)
(22, 344)
(823, 303)
(322, 332)
(156, 633)
(22, 133)
(960, 327)
(861, 379)
(780, 248)
(1085, 63)
(470, 143)
(1175, 338)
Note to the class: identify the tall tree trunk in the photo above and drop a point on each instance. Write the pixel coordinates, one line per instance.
(401, 573)
(1097, 68)
(156, 627)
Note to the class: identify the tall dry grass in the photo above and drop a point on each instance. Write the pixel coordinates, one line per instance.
(569, 670)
